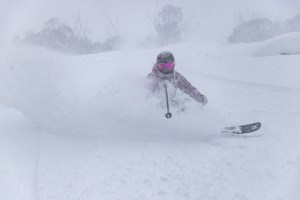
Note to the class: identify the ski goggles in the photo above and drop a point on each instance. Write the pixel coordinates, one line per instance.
(168, 66)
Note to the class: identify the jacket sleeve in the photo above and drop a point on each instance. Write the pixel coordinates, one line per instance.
(185, 86)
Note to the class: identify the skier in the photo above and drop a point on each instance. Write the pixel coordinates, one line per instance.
(163, 73)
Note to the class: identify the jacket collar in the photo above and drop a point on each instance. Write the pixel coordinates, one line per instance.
(158, 73)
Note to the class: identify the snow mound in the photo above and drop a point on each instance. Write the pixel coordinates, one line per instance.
(83, 94)
(287, 44)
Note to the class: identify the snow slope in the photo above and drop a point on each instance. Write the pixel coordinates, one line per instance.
(19, 147)
(287, 44)
(79, 127)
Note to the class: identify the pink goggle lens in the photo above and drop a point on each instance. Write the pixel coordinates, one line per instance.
(166, 66)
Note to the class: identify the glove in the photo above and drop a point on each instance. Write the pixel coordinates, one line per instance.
(203, 100)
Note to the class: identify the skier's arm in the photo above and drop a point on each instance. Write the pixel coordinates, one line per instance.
(185, 86)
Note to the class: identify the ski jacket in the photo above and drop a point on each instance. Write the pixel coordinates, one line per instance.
(156, 79)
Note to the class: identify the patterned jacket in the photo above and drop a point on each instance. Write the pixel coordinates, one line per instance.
(156, 79)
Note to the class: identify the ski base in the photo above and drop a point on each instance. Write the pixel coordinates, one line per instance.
(243, 129)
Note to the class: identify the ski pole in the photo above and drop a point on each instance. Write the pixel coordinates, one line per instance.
(168, 115)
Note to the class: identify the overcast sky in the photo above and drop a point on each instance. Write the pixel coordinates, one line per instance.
(214, 18)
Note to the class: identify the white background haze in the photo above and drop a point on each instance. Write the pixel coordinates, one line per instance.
(212, 20)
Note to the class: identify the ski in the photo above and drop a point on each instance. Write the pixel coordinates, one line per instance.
(243, 129)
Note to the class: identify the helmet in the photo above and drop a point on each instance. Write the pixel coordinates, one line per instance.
(165, 62)
(165, 56)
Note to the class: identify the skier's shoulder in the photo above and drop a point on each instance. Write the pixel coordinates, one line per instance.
(152, 75)
(178, 76)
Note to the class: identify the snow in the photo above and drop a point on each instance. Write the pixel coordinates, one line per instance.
(79, 127)
(18, 155)
(287, 44)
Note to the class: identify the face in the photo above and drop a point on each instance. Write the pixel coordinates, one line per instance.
(166, 67)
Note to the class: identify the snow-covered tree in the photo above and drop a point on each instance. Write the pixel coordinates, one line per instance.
(168, 24)
(293, 25)
(114, 38)
(253, 31)
(260, 29)
(59, 36)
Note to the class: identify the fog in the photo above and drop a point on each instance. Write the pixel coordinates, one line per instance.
(210, 20)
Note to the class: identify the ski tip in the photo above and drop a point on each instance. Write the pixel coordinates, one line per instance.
(242, 129)
(257, 125)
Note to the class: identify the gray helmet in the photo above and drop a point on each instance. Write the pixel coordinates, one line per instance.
(165, 57)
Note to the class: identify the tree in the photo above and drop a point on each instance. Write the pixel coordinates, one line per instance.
(293, 25)
(253, 31)
(59, 36)
(261, 29)
(168, 24)
(114, 38)
(80, 27)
